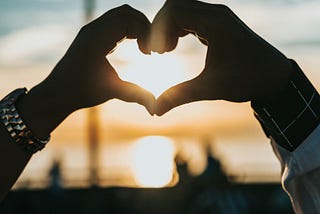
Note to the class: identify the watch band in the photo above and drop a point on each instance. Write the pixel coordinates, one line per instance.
(18, 130)
(291, 116)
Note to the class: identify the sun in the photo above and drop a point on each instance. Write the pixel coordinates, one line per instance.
(153, 161)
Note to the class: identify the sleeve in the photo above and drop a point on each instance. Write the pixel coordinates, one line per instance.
(291, 120)
(300, 172)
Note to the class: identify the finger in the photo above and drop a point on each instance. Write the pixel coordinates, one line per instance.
(115, 25)
(130, 92)
(180, 94)
(192, 16)
(163, 35)
(142, 31)
(202, 40)
(168, 23)
(143, 42)
(197, 16)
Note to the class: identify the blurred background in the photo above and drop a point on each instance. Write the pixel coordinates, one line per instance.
(204, 157)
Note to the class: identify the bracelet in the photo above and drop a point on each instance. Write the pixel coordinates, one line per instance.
(18, 130)
(291, 116)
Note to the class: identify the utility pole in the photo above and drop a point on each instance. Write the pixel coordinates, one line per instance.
(92, 117)
(89, 6)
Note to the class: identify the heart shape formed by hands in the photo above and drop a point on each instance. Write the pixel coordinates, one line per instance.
(237, 62)
(158, 72)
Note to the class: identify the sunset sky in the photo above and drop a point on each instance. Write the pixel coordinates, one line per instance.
(34, 35)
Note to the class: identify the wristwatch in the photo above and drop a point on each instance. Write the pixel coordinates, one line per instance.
(16, 127)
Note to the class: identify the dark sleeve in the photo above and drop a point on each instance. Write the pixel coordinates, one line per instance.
(293, 114)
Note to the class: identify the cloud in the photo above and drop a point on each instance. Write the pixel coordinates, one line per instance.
(285, 23)
(33, 45)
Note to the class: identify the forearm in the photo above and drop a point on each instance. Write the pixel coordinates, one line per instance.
(41, 110)
(12, 161)
(292, 121)
(44, 108)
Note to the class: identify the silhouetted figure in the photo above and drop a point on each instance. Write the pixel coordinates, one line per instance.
(55, 185)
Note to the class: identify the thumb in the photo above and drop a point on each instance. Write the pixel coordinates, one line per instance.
(180, 94)
(176, 19)
(130, 92)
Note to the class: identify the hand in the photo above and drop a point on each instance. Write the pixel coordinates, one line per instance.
(84, 77)
(240, 65)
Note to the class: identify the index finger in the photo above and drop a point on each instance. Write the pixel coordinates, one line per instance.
(115, 25)
(189, 16)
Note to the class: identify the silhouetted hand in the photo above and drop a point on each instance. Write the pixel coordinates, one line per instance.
(240, 66)
(84, 77)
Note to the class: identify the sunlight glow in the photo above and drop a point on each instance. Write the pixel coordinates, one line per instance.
(153, 161)
(155, 72)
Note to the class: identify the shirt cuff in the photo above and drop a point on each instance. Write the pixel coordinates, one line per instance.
(304, 159)
(291, 116)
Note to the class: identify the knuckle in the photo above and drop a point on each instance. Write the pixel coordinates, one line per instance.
(85, 29)
(223, 8)
(226, 11)
(125, 7)
(84, 36)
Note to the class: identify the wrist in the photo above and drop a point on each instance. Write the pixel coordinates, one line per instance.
(292, 114)
(280, 72)
(43, 110)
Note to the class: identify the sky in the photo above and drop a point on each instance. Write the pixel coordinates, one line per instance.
(34, 35)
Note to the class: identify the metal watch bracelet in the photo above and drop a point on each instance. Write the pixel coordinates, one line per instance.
(18, 130)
